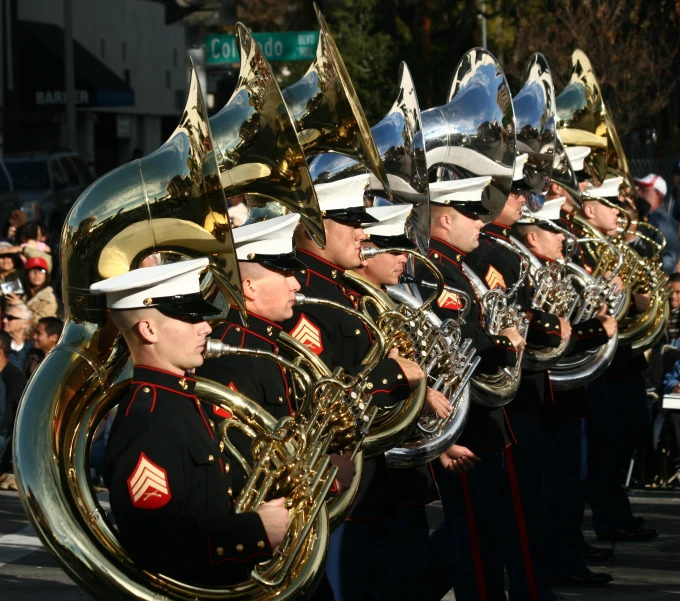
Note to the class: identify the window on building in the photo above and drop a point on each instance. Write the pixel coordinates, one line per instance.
(102, 48)
(168, 79)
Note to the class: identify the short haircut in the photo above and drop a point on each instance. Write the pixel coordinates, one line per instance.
(126, 319)
(521, 230)
(254, 271)
(53, 325)
(5, 342)
(436, 211)
(674, 277)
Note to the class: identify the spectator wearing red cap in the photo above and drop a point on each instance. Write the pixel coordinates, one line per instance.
(40, 298)
(652, 188)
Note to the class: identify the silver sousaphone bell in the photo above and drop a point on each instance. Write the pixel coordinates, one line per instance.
(473, 134)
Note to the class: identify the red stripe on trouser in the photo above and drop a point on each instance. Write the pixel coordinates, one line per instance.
(521, 524)
(474, 538)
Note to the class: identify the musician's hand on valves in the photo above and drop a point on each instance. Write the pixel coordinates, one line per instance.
(565, 329)
(436, 402)
(458, 459)
(609, 324)
(615, 280)
(412, 370)
(515, 337)
(275, 519)
(641, 302)
(346, 471)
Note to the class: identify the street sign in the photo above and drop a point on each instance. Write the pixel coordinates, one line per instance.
(278, 46)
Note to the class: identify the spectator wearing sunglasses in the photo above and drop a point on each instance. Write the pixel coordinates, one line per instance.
(16, 322)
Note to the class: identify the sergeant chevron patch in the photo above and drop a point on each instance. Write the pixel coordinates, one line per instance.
(148, 485)
(494, 279)
(449, 300)
(308, 334)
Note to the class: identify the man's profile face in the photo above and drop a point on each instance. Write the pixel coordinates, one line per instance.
(603, 217)
(512, 209)
(464, 231)
(384, 269)
(180, 342)
(343, 243)
(548, 244)
(42, 340)
(275, 295)
(675, 295)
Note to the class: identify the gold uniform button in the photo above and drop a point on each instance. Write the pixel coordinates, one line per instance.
(212, 423)
(580, 333)
(280, 399)
(146, 389)
(230, 492)
(457, 257)
(384, 381)
(237, 329)
(547, 325)
(211, 458)
(303, 271)
(435, 255)
(227, 467)
(538, 321)
(221, 446)
(219, 551)
(369, 385)
(183, 384)
(591, 330)
(269, 330)
(260, 544)
(357, 332)
(239, 547)
(400, 377)
(334, 273)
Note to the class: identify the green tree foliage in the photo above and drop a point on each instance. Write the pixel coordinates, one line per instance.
(369, 54)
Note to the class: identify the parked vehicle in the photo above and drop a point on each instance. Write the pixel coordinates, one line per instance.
(53, 181)
(9, 199)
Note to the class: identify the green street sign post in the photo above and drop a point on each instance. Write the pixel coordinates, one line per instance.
(279, 46)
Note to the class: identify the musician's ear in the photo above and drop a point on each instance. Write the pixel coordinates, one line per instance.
(531, 239)
(588, 210)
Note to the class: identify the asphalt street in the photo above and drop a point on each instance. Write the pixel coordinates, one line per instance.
(642, 571)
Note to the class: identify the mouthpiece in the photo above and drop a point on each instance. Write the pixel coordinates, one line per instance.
(216, 348)
(368, 253)
(300, 299)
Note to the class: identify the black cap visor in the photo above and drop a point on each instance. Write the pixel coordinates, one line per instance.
(350, 215)
(390, 241)
(187, 305)
(284, 262)
(470, 208)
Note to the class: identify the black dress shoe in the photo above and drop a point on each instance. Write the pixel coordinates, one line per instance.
(585, 578)
(595, 554)
(638, 521)
(629, 534)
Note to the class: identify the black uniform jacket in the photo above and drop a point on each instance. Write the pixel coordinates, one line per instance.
(573, 403)
(342, 340)
(259, 378)
(170, 486)
(486, 428)
(500, 267)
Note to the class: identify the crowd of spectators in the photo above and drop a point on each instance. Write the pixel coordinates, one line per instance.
(31, 316)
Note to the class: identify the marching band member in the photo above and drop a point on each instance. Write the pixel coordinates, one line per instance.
(414, 488)
(168, 478)
(499, 266)
(267, 263)
(561, 426)
(484, 526)
(620, 418)
(362, 545)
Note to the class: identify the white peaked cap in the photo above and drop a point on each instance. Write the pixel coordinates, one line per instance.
(576, 156)
(549, 210)
(608, 189)
(343, 194)
(459, 190)
(391, 220)
(520, 161)
(270, 237)
(138, 288)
